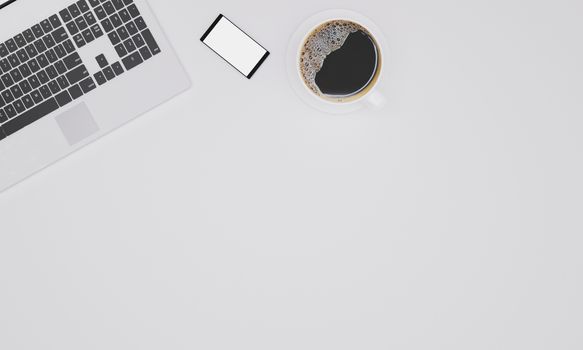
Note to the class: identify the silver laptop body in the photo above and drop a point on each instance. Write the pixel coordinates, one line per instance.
(72, 71)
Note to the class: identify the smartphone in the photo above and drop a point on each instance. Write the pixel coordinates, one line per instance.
(235, 46)
(6, 3)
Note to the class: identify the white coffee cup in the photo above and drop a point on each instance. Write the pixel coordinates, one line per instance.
(372, 97)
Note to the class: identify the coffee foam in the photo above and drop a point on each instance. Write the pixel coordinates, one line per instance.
(324, 40)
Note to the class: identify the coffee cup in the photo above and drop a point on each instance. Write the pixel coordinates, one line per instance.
(336, 61)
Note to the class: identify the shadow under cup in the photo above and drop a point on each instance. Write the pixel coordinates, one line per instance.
(340, 61)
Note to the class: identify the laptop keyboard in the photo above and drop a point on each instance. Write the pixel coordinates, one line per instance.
(42, 71)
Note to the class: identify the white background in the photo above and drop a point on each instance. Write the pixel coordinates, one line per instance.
(236, 217)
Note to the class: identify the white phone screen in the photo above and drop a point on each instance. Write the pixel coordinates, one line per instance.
(235, 46)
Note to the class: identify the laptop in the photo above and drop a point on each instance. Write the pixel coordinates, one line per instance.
(72, 71)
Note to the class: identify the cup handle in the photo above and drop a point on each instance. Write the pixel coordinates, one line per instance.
(376, 100)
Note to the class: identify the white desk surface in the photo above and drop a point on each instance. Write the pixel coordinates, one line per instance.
(236, 217)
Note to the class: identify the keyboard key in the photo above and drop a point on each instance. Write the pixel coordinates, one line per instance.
(11, 45)
(10, 111)
(121, 51)
(16, 75)
(16, 91)
(114, 38)
(100, 12)
(7, 80)
(107, 25)
(62, 81)
(100, 78)
(40, 46)
(60, 50)
(20, 41)
(74, 10)
(25, 86)
(29, 36)
(31, 50)
(102, 61)
(30, 116)
(36, 96)
(55, 21)
(33, 65)
(152, 45)
(96, 30)
(54, 86)
(127, 2)
(129, 45)
(43, 77)
(49, 41)
(109, 74)
(118, 4)
(69, 47)
(94, 3)
(82, 4)
(125, 15)
(108, 7)
(75, 91)
(65, 15)
(123, 33)
(19, 106)
(51, 72)
(117, 68)
(45, 91)
(77, 74)
(140, 23)
(7, 96)
(131, 27)
(42, 60)
(51, 55)
(28, 102)
(133, 10)
(88, 36)
(132, 60)
(33, 81)
(5, 65)
(38, 31)
(47, 28)
(72, 27)
(60, 67)
(72, 61)
(3, 50)
(81, 23)
(3, 118)
(25, 71)
(59, 35)
(90, 19)
(2, 102)
(13, 59)
(63, 98)
(115, 20)
(22, 56)
(87, 85)
(79, 40)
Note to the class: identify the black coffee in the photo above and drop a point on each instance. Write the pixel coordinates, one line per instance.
(349, 69)
(339, 60)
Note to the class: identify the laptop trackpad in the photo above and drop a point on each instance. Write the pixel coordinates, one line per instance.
(77, 124)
